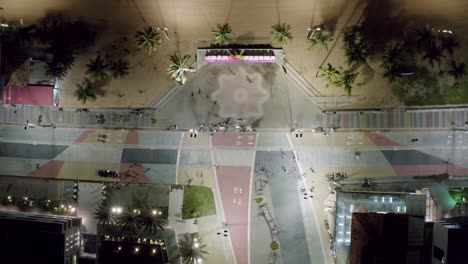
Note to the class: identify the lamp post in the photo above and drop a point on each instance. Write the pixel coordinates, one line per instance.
(313, 30)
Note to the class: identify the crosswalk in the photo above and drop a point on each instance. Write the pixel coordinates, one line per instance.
(397, 118)
(112, 118)
(149, 119)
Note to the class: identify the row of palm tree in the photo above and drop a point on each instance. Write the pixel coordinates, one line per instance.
(280, 34)
(355, 47)
(98, 71)
(98, 68)
(339, 77)
(131, 220)
(64, 41)
(433, 48)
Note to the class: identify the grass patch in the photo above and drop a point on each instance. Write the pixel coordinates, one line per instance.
(458, 194)
(198, 202)
(274, 245)
(259, 200)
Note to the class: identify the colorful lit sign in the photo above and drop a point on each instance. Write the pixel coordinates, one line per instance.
(239, 58)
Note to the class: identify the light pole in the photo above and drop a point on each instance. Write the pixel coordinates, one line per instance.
(164, 31)
(313, 30)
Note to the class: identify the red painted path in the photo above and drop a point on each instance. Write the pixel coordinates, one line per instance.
(234, 185)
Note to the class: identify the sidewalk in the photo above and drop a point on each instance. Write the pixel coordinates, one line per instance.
(320, 194)
(176, 199)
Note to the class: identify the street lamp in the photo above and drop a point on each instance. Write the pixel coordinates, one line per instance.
(116, 210)
(164, 31)
(313, 30)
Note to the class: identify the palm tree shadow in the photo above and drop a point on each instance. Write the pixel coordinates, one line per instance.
(366, 74)
(278, 11)
(231, 6)
(332, 13)
(381, 25)
(98, 86)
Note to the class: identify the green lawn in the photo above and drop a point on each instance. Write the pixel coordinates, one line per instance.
(457, 194)
(198, 201)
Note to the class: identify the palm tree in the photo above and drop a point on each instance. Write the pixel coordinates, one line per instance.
(103, 214)
(320, 38)
(356, 54)
(352, 34)
(97, 68)
(355, 46)
(449, 44)
(457, 70)
(223, 35)
(56, 69)
(331, 74)
(149, 39)
(178, 68)
(347, 78)
(191, 250)
(119, 68)
(129, 220)
(281, 35)
(151, 223)
(339, 78)
(84, 91)
(392, 60)
(425, 38)
(432, 54)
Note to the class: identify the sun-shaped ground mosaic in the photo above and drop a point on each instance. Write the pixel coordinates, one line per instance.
(241, 95)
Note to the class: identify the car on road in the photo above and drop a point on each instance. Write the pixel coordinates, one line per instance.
(108, 173)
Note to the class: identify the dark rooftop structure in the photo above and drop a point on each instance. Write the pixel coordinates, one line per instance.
(39, 238)
(386, 238)
(449, 241)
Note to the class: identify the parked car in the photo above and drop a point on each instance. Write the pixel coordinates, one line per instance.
(108, 173)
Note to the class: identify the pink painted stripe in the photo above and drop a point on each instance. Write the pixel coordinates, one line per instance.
(234, 185)
(424, 170)
(84, 136)
(49, 170)
(133, 173)
(231, 139)
(381, 141)
(132, 138)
